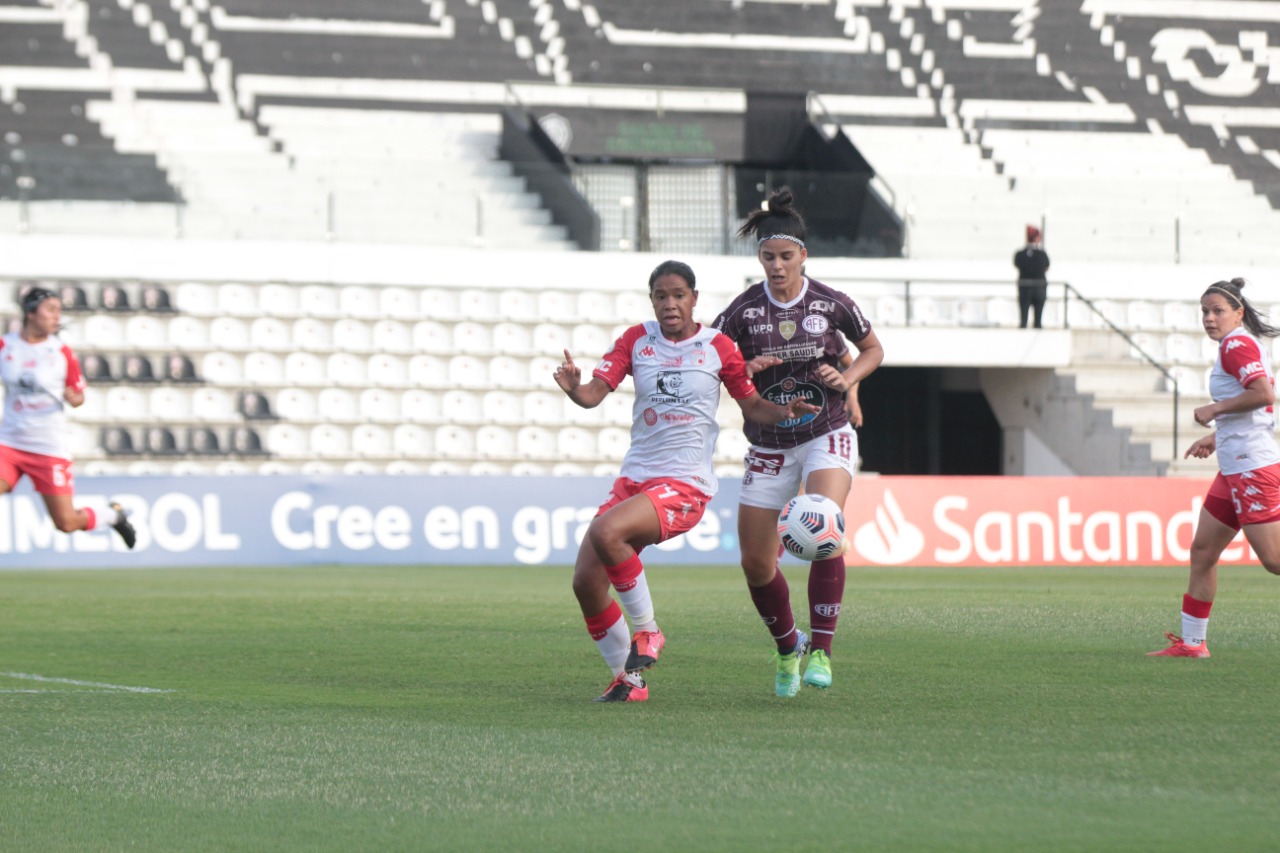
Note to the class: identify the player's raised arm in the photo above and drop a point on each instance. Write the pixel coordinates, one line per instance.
(569, 377)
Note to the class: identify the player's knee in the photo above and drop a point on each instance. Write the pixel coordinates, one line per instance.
(1272, 566)
(67, 524)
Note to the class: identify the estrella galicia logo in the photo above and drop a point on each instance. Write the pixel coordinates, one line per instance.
(789, 389)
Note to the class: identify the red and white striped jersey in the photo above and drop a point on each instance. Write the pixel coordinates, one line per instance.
(35, 377)
(674, 430)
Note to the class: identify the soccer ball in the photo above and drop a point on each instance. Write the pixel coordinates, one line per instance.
(811, 527)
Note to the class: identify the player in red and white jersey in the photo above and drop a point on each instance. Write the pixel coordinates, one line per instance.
(794, 332)
(1246, 493)
(666, 480)
(41, 378)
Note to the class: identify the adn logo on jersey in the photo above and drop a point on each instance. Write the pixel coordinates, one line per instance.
(752, 313)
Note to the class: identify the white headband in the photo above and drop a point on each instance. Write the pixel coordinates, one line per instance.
(795, 240)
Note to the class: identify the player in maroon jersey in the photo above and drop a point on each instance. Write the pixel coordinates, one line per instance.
(667, 478)
(795, 330)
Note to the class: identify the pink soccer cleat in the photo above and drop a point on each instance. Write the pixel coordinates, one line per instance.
(1179, 649)
(645, 646)
(625, 687)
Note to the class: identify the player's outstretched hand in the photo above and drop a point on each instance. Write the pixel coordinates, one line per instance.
(568, 375)
(761, 362)
(1203, 448)
(799, 407)
(832, 378)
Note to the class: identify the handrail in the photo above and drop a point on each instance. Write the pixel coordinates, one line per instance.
(1067, 291)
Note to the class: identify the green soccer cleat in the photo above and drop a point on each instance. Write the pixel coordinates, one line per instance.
(787, 682)
(818, 672)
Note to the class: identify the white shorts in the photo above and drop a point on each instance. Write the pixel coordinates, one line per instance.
(774, 476)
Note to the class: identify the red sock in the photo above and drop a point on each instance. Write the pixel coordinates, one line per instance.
(773, 603)
(1195, 607)
(623, 575)
(826, 591)
(92, 520)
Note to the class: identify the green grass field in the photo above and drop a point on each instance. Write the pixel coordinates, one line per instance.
(382, 708)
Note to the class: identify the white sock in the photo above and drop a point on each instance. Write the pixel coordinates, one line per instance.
(638, 604)
(615, 645)
(1194, 630)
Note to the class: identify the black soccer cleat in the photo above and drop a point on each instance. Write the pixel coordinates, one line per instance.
(122, 526)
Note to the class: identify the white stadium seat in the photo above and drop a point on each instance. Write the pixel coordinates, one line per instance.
(312, 335)
(467, 371)
(263, 368)
(575, 443)
(229, 333)
(328, 440)
(412, 441)
(478, 305)
(543, 407)
(461, 406)
(126, 403)
(551, 340)
(346, 369)
(393, 336)
(518, 305)
(589, 343)
(558, 307)
(192, 297)
(286, 440)
(146, 331)
(221, 368)
(471, 339)
(212, 404)
(304, 368)
(428, 371)
(507, 372)
(501, 407)
(398, 303)
(358, 301)
(512, 339)
(296, 404)
(371, 440)
(270, 333)
(379, 405)
(439, 304)
(432, 337)
(190, 333)
(237, 299)
(387, 371)
(613, 443)
(536, 443)
(319, 300)
(338, 405)
(423, 407)
(454, 442)
(495, 442)
(280, 300)
(352, 336)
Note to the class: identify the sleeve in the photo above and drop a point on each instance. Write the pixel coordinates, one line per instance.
(616, 363)
(733, 368)
(75, 376)
(853, 323)
(1242, 359)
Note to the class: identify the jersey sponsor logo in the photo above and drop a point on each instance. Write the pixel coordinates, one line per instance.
(650, 417)
(1232, 344)
(822, 306)
(815, 324)
(605, 365)
(677, 418)
(768, 464)
(760, 328)
(648, 352)
(787, 328)
(673, 362)
(750, 314)
(670, 383)
(790, 389)
(1250, 368)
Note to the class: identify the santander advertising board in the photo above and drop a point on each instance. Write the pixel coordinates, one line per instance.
(1026, 521)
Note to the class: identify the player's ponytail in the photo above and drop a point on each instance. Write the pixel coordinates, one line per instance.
(777, 218)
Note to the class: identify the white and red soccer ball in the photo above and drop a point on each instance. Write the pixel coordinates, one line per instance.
(811, 527)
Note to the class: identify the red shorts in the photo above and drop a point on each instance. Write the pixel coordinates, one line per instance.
(679, 505)
(1250, 497)
(49, 474)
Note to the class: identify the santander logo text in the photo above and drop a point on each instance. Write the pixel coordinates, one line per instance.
(1029, 521)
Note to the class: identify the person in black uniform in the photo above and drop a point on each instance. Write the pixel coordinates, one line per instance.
(1032, 262)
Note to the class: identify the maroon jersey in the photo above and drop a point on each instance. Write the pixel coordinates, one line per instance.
(805, 333)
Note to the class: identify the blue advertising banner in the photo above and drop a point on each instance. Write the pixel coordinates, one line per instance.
(298, 520)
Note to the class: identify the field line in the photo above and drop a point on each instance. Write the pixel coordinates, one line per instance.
(122, 688)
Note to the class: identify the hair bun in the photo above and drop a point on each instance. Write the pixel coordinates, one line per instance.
(1238, 283)
(781, 201)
